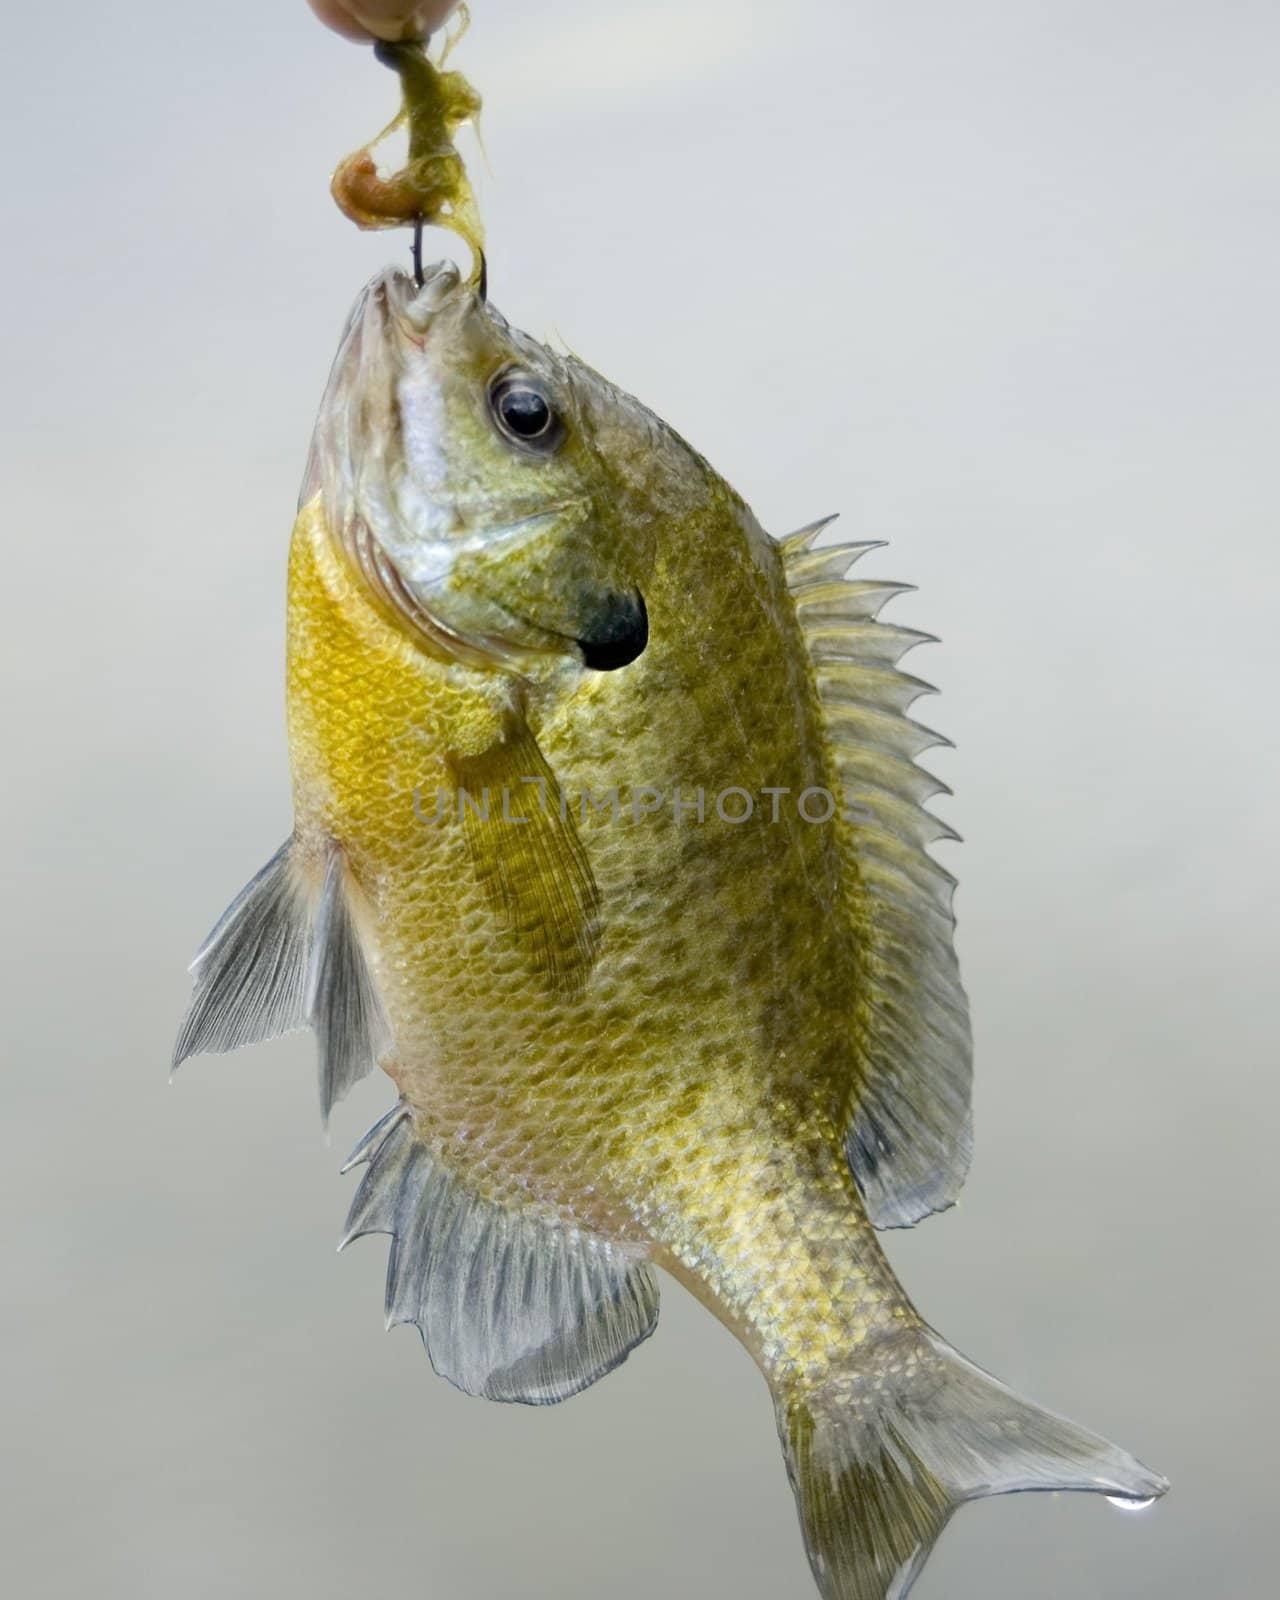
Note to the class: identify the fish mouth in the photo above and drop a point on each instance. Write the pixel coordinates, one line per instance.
(391, 320)
(406, 551)
(411, 305)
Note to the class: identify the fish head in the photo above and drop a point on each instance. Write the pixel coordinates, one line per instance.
(504, 497)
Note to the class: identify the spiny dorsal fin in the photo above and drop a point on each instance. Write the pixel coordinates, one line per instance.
(511, 1304)
(283, 957)
(908, 1127)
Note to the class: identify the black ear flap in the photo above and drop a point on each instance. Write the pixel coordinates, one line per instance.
(618, 634)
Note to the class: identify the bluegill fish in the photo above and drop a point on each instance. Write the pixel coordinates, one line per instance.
(721, 1032)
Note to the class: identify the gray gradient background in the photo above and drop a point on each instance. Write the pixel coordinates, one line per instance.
(996, 279)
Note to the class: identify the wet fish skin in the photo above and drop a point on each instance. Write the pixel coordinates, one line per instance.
(629, 1041)
(685, 913)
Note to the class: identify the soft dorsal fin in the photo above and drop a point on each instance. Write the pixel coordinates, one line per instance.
(287, 954)
(511, 1304)
(908, 1124)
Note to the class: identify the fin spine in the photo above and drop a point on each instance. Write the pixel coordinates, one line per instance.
(907, 1119)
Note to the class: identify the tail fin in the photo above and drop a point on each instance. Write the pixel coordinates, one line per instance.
(880, 1457)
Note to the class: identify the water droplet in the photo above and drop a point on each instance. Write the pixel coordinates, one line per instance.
(1127, 1502)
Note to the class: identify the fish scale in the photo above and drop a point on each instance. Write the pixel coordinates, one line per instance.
(659, 1037)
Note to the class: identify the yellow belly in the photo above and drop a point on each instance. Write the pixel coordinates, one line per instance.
(687, 1096)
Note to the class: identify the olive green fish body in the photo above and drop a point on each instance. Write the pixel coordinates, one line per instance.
(611, 849)
(686, 1097)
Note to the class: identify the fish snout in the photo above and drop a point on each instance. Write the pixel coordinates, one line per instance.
(411, 306)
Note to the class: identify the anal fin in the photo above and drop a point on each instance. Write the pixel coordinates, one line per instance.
(512, 1304)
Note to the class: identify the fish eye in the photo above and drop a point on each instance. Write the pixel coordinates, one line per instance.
(524, 412)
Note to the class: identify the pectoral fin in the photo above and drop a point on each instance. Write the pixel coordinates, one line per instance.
(529, 857)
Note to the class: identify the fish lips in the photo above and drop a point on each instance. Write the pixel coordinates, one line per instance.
(413, 305)
(608, 628)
